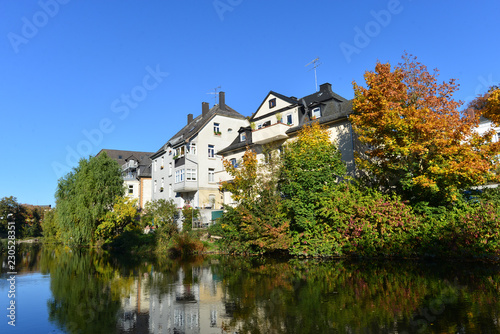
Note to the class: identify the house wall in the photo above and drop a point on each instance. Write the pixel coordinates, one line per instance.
(199, 190)
(145, 184)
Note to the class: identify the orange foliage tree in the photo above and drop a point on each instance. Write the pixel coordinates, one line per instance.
(488, 104)
(417, 143)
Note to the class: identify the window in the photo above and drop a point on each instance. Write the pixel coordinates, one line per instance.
(211, 175)
(155, 186)
(289, 119)
(179, 175)
(119, 157)
(233, 162)
(170, 190)
(211, 151)
(155, 164)
(162, 183)
(259, 126)
(193, 149)
(268, 123)
(162, 162)
(130, 189)
(229, 130)
(315, 113)
(191, 174)
(272, 103)
(211, 201)
(243, 136)
(216, 128)
(169, 169)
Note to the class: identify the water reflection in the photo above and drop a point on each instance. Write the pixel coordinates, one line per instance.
(93, 292)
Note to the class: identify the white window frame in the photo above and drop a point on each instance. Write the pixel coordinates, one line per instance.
(316, 112)
(211, 175)
(130, 189)
(191, 174)
(193, 149)
(170, 168)
(211, 151)
(216, 127)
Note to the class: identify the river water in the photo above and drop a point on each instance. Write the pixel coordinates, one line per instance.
(60, 290)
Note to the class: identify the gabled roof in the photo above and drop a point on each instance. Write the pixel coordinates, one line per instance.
(122, 156)
(237, 144)
(334, 108)
(290, 100)
(191, 130)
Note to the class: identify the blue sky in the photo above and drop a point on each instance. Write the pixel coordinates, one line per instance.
(78, 76)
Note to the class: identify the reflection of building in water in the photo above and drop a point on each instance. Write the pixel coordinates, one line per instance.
(194, 305)
(134, 315)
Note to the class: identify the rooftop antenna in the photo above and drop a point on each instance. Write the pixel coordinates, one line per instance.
(315, 63)
(215, 93)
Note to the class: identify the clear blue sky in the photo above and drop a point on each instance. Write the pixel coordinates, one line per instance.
(128, 72)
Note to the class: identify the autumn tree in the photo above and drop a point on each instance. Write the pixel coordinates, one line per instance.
(488, 104)
(417, 143)
(258, 223)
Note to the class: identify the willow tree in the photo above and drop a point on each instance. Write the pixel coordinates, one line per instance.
(84, 196)
(417, 142)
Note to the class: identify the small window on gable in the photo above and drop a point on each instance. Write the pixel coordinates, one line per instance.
(289, 119)
(243, 136)
(272, 103)
(316, 112)
(216, 128)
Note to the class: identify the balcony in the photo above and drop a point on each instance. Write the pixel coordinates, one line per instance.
(186, 186)
(130, 164)
(270, 133)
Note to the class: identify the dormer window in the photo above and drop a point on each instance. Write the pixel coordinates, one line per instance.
(315, 113)
(272, 103)
(243, 136)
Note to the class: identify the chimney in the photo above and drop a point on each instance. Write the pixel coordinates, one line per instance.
(222, 100)
(205, 107)
(190, 118)
(325, 87)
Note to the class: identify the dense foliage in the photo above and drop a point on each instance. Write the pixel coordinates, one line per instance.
(417, 143)
(84, 197)
(27, 218)
(303, 204)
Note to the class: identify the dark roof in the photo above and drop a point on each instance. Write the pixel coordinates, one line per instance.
(292, 101)
(122, 156)
(192, 129)
(237, 144)
(334, 108)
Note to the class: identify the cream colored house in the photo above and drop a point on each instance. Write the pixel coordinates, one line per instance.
(279, 118)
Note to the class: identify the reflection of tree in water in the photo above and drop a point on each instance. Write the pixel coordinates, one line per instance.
(326, 297)
(83, 300)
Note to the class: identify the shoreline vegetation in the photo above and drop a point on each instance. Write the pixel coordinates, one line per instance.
(414, 195)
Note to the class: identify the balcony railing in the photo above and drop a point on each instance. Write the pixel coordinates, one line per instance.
(130, 164)
(270, 133)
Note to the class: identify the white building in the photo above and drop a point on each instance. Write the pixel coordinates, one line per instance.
(279, 118)
(185, 168)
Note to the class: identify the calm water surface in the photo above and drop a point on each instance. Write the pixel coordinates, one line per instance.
(59, 290)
